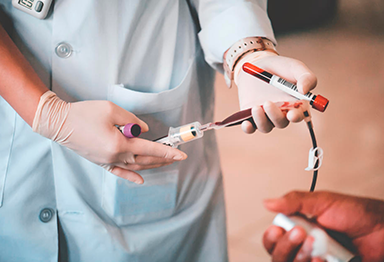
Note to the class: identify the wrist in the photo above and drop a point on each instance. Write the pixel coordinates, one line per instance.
(240, 49)
(50, 115)
(250, 58)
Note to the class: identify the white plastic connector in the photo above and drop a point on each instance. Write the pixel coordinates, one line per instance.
(312, 158)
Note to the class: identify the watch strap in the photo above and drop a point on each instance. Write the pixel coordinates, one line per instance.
(241, 48)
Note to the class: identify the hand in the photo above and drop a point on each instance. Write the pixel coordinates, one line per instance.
(360, 219)
(254, 93)
(88, 128)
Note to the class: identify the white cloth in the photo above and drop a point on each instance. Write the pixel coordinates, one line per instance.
(145, 56)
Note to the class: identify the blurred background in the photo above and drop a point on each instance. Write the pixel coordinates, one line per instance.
(342, 42)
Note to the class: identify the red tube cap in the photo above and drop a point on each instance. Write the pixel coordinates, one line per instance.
(320, 103)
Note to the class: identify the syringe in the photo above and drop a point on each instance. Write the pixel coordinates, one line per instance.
(189, 132)
(182, 134)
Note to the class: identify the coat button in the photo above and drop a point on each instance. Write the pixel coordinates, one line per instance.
(46, 215)
(63, 50)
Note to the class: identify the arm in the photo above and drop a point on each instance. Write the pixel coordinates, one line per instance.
(20, 86)
(65, 122)
(223, 23)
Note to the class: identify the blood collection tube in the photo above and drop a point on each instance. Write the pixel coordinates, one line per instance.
(324, 246)
(182, 134)
(130, 130)
(317, 101)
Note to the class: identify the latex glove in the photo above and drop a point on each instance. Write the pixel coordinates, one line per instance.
(254, 92)
(88, 128)
(360, 219)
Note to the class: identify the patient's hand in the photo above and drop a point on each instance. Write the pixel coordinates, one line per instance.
(360, 219)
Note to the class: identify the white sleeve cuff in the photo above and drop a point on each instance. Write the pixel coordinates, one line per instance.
(238, 22)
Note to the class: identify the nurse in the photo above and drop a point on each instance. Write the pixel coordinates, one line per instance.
(67, 173)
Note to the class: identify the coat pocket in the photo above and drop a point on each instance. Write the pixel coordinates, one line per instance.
(142, 103)
(127, 203)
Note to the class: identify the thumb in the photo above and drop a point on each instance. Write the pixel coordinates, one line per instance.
(122, 117)
(297, 72)
(290, 69)
(311, 204)
(306, 80)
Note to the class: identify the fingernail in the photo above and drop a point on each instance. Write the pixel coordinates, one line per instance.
(271, 201)
(139, 182)
(274, 235)
(145, 127)
(179, 157)
(295, 235)
(306, 249)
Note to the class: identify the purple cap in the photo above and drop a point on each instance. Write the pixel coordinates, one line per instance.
(131, 130)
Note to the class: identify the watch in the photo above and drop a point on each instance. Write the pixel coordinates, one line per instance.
(239, 49)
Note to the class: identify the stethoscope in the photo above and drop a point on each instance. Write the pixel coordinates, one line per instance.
(36, 8)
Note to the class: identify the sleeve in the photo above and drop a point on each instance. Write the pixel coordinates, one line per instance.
(224, 22)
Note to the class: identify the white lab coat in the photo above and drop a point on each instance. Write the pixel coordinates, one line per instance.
(147, 57)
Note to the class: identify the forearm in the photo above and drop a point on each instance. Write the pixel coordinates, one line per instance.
(20, 86)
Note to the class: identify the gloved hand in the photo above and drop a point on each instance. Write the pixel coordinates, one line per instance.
(360, 219)
(88, 128)
(254, 93)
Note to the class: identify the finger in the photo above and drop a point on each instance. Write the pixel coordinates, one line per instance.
(306, 80)
(148, 164)
(122, 117)
(127, 174)
(247, 127)
(287, 247)
(262, 122)
(271, 237)
(304, 254)
(308, 203)
(292, 70)
(134, 167)
(297, 114)
(152, 160)
(317, 259)
(144, 147)
(275, 114)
